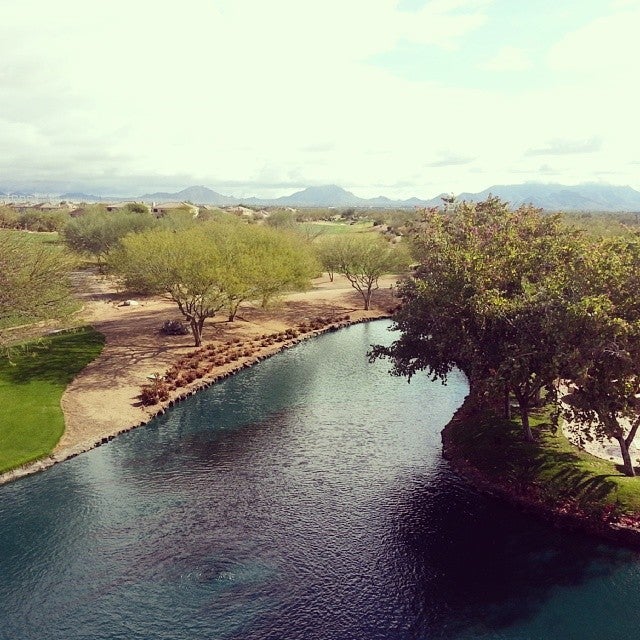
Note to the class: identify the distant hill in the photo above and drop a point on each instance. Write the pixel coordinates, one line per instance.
(552, 197)
(557, 197)
(333, 196)
(85, 197)
(197, 195)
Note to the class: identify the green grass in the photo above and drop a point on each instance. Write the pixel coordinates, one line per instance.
(331, 228)
(552, 469)
(40, 237)
(32, 380)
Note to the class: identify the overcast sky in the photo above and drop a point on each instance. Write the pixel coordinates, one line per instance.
(264, 97)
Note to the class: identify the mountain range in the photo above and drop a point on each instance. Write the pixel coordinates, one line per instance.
(552, 197)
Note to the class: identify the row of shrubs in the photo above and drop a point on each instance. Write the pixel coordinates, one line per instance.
(201, 362)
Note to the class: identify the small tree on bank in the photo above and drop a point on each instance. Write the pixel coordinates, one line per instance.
(184, 265)
(363, 259)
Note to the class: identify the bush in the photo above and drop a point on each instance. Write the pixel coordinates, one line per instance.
(174, 328)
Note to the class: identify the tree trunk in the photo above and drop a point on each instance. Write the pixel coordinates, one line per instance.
(627, 465)
(526, 427)
(196, 329)
(367, 299)
(507, 402)
(233, 310)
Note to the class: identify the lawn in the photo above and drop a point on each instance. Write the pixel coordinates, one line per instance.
(552, 469)
(32, 381)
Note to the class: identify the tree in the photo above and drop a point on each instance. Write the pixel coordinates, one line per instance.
(327, 252)
(97, 233)
(362, 259)
(212, 266)
(284, 263)
(184, 264)
(605, 369)
(34, 279)
(491, 295)
(136, 207)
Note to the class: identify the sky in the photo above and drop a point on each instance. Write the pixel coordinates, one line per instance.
(265, 97)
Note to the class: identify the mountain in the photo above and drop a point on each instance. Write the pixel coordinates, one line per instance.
(558, 197)
(197, 195)
(326, 196)
(85, 197)
(552, 197)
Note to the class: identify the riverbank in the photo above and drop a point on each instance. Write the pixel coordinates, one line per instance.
(103, 400)
(550, 478)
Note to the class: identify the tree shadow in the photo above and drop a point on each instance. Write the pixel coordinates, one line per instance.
(55, 359)
(482, 566)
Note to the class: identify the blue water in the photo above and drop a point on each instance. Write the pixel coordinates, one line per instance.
(305, 498)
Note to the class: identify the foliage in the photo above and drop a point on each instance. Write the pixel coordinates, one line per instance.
(33, 279)
(213, 266)
(31, 385)
(43, 220)
(136, 207)
(362, 259)
(605, 369)
(97, 233)
(9, 218)
(491, 295)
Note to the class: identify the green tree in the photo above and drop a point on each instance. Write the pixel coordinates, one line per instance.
(363, 259)
(185, 265)
(491, 296)
(34, 280)
(97, 233)
(604, 368)
(136, 207)
(213, 266)
(284, 263)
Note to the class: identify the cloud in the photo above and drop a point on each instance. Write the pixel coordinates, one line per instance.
(561, 147)
(508, 58)
(450, 160)
(606, 49)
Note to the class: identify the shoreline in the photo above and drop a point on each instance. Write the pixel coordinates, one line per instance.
(554, 514)
(76, 401)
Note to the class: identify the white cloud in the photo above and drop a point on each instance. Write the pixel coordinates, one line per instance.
(508, 58)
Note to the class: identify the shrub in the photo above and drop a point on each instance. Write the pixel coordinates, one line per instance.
(174, 328)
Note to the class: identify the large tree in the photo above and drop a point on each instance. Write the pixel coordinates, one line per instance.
(213, 266)
(604, 369)
(490, 297)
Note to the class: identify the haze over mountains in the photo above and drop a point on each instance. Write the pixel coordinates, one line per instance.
(554, 197)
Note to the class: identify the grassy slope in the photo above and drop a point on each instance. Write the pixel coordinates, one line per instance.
(552, 470)
(31, 385)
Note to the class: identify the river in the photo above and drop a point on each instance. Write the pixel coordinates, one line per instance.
(304, 498)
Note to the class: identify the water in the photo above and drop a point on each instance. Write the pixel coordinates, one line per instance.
(305, 498)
